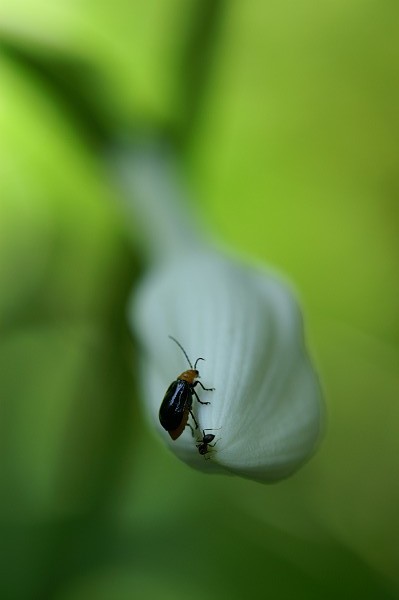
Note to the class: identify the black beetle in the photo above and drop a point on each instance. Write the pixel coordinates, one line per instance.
(178, 400)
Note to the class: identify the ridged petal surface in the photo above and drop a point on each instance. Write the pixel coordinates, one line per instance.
(247, 325)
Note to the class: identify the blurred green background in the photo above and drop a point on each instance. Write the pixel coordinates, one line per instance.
(285, 117)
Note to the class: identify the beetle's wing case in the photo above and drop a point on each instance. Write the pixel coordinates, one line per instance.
(175, 433)
(176, 400)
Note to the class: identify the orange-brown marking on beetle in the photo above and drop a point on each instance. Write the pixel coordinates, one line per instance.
(189, 375)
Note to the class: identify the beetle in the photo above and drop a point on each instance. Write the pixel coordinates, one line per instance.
(178, 400)
(202, 444)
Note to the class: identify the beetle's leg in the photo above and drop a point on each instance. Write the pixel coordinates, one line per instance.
(192, 430)
(196, 424)
(197, 382)
(196, 395)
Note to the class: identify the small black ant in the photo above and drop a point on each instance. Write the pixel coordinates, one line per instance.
(204, 443)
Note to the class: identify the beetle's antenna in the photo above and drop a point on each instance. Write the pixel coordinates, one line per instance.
(182, 349)
(195, 365)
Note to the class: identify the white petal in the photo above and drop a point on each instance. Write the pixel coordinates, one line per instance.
(246, 323)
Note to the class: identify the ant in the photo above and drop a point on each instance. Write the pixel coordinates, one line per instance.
(204, 443)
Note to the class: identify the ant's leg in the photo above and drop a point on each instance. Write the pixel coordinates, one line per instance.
(212, 445)
(200, 401)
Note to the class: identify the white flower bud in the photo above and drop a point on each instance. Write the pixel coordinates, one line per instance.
(266, 407)
(266, 410)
